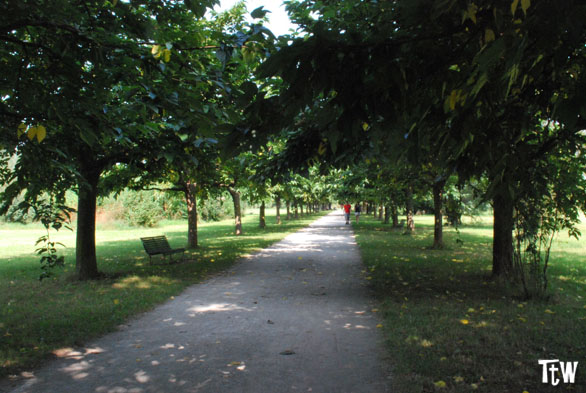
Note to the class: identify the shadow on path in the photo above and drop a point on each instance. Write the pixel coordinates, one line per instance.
(295, 317)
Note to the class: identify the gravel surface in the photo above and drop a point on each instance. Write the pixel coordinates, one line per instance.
(296, 317)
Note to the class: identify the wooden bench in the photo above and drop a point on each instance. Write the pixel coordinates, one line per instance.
(158, 245)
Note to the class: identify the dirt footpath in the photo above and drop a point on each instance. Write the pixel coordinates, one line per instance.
(295, 317)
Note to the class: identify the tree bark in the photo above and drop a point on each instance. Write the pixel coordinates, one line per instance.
(502, 243)
(86, 265)
(387, 214)
(380, 212)
(301, 208)
(262, 222)
(438, 236)
(296, 210)
(278, 206)
(190, 197)
(288, 210)
(409, 211)
(237, 210)
(394, 216)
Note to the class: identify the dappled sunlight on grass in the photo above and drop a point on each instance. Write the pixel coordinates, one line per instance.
(446, 320)
(142, 282)
(37, 318)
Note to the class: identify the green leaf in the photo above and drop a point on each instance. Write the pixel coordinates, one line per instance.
(259, 12)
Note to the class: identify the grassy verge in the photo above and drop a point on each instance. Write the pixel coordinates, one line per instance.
(451, 329)
(38, 318)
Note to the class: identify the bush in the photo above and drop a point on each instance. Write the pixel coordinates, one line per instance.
(142, 208)
(216, 209)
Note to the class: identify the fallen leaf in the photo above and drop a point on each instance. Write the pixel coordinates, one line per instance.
(440, 384)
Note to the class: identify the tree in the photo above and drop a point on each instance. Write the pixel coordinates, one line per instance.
(485, 75)
(83, 87)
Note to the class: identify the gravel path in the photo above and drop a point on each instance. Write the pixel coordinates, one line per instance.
(296, 317)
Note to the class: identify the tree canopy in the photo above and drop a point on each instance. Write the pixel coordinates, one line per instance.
(390, 99)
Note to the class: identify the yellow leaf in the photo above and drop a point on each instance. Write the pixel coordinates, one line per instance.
(114, 2)
(156, 51)
(321, 149)
(440, 384)
(525, 4)
(474, 386)
(299, 258)
(166, 55)
(464, 321)
(458, 379)
(21, 129)
(380, 325)
(548, 311)
(489, 35)
(116, 301)
(41, 133)
(32, 133)
(365, 126)
(514, 6)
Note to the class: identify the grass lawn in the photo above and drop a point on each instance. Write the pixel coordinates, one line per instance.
(38, 318)
(449, 328)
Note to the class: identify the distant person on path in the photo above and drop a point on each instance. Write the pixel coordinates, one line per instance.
(357, 211)
(347, 208)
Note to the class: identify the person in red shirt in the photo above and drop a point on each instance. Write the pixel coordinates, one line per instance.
(347, 208)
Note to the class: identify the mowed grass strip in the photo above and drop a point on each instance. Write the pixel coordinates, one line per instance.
(450, 328)
(39, 318)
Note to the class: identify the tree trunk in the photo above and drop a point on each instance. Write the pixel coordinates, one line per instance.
(190, 197)
(438, 236)
(380, 212)
(237, 210)
(262, 222)
(296, 210)
(278, 206)
(288, 210)
(301, 208)
(409, 211)
(86, 265)
(502, 243)
(394, 216)
(387, 214)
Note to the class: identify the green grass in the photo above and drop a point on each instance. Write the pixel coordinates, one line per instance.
(38, 318)
(449, 328)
